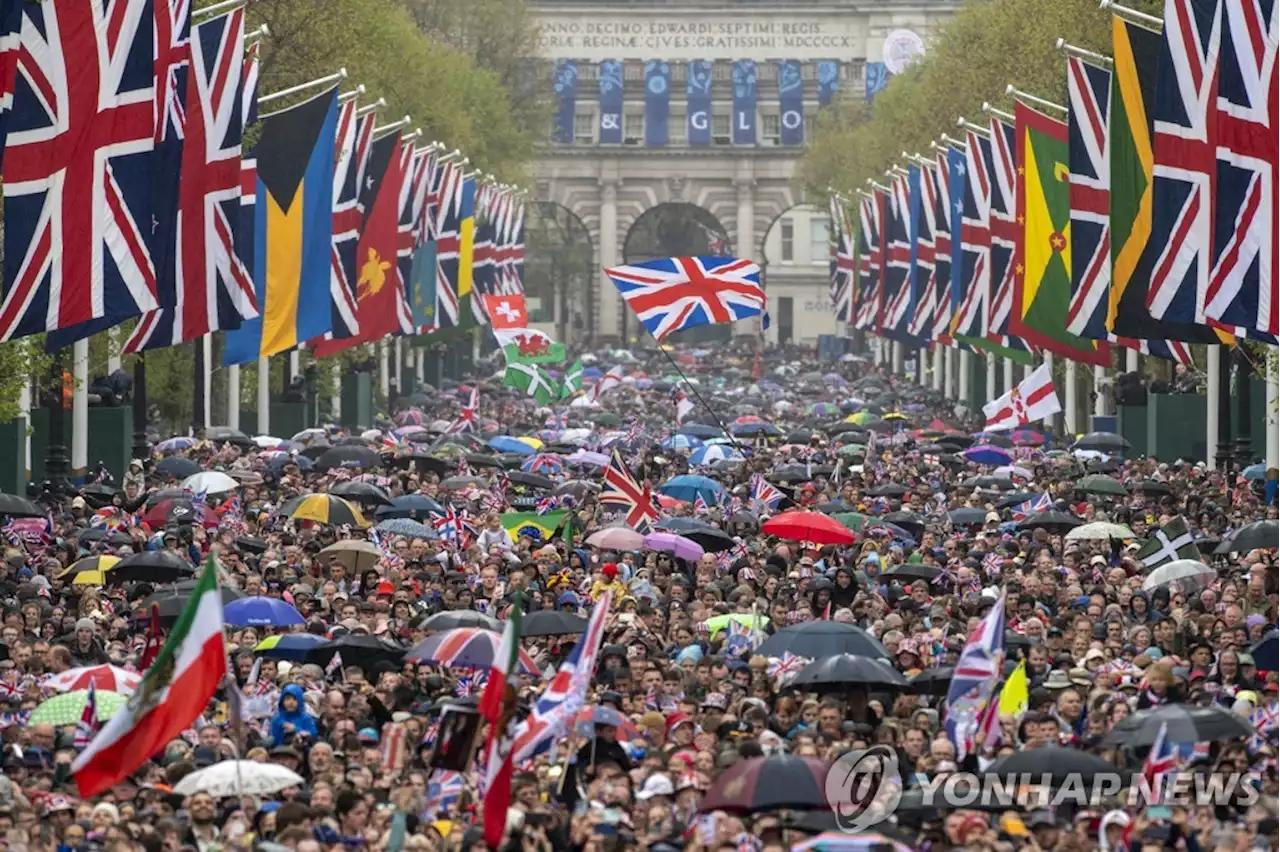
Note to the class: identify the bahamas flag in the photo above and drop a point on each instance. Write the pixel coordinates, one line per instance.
(293, 231)
(1042, 271)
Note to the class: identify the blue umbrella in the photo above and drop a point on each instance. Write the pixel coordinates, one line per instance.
(261, 612)
(1255, 471)
(681, 442)
(701, 430)
(418, 506)
(177, 467)
(688, 488)
(277, 463)
(592, 373)
(293, 647)
(406, 527)
(180, 442)
(755, 429)
(507, 444)
(712, 453)
(1266, 654)
(987, 454)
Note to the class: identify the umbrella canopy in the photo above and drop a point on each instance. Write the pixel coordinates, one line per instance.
(673, 543)
(420, 507)
(689, 487)
(66, 709)
(588, 717)
(616, 538)
(324, 509)
(171, 602)
(1100, 531)
(931, 681)
(1051, 520)
(821, 638)
(1106, 442)
(210, 482)
(176, 467)
(91, 571)
(239, 778)
(714, 453)
(227, 435)
(1188, 723)
(19, 507)
(350, 456)
(358, 556)
(454, 618)
(104, 679)
(507, 444)
(1187, 574)
(988, 454)
(1266, 654)
(466, 648)
(841, 671)
(710, 539)
(291, 646)
(1059, 764)
(911, 571)
(808, 526)
(909, 521)
(1260, 535)
(364, 493)
(840, 841)
(548, 622)
(150, 566)
(406, 527)
(681, 441)
(1099, 484)
(261, 611)
(967, 516)
(356, 650)
(769, 784)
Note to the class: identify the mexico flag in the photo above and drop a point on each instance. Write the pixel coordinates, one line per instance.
(173, 692)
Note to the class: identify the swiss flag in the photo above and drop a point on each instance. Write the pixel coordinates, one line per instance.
(506, 311)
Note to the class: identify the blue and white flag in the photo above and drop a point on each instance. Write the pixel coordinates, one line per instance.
(790, 103)
(566, 87)
(611, 102)
(657, 102)
(828, 80)
(698, 94)
(744, 102)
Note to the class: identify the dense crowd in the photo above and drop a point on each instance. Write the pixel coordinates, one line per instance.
(709, 681)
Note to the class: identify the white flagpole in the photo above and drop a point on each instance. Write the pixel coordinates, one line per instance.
(336, 77)
(264, 396)
(1071, 402)
(1212, 398)
(233, 396)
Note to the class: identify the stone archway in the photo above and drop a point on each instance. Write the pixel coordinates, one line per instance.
(676, 229)
(795, 256)
(559, 271)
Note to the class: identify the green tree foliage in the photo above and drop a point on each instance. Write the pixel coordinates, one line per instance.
(986, 46)
(20, 361)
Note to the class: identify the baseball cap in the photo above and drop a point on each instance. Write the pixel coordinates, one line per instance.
(716, 700)
(656, 785)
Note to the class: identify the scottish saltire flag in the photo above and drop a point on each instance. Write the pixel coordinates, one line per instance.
(923, 298)
(974, 679)
(842, 267)
(1005, 234)
(942, 248)
(209, 287)
(77, 168)
(870, 260)
(678, 293)
(897, 263)
(971, 254)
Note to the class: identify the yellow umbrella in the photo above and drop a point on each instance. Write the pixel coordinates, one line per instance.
(861, 417)
(328, 509)
(531, 441)
(90, 571)
(894, 415)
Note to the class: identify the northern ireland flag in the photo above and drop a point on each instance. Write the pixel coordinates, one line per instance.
(173, 692)
(1031, 399)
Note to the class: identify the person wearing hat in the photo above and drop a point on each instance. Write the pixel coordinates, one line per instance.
(607, 581)
(85, 646)
(291, 717)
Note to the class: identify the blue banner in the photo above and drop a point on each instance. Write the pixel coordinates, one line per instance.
(956, 186)
(566, 84)
(698, 121)
(657, 102)
(611, 102)
(828, 80)
(744, 102)
(915, 276)
(790, 103)
(877, 78)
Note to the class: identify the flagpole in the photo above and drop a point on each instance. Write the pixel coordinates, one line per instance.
(1081, 53)
(260, 33)
(991, 109)
(1133, 16)
(216, 8)
(380, 103)
(1032, 99)
(336, 77)
(387, 129)
(351, 95)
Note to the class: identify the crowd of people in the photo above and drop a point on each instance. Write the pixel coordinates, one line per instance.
(702, 693)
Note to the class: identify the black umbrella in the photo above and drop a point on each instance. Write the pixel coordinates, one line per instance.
(799, 436)
(1188, 723)
(841, 671)
(579, 488)
(1016, 497)
(171, 602)
(365, 493)
(453, 618)
(361, 457)
(1151, 486)
(966, 516)
(315, 451)
(889, 489)
(19, 507)
(358, 650)
(994, 483)
(151, 566)
(530, 480)
(482, 460)
(909, 572)
(103, 534)
(548, 622)
(227, 435)
(96, 495)
(176, 467)
(834, 507)
(792, 473)
(931, 681)
(821, 638)
(420, 460)
(909, 521)
(250, 544)
(1057, 763)
(769, 784)
(1260, 535)
(1051, 520)
(955, 441)
(1106, 442)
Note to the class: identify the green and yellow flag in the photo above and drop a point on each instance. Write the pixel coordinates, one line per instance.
(542, 527)
(1042, 263)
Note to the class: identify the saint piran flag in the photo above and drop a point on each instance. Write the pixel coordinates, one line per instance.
(828, 80)
(566, 87)
(790, 103)
(744, 102)
(698, 95)
(611, 102)
(657, 102)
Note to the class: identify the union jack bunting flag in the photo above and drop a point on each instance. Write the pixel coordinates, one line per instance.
(870, 260)
(843, 265)
(77, 205)
(621, 491)
(1089, 92)
(942, 248)
(446, 191)
(677, 293)
(971, 265)
(1005, 231)
(1242, 281)
(209, 287)
(351, 157)
(920, 181)
(897, 267)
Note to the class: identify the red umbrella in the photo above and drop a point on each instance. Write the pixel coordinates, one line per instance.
(808, 526)
(109, 678)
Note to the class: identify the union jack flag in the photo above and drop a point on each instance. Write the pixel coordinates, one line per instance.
(940, 185)
(1266, 722)
(621, 491)
(1089, 90)
(783, 669)
(897, 268)
(844, 263)
(971, 266)
(870, 260)
(466, 421)
(77, 205)
(565, 694)
(1242, 284)
(677, 293)
(208, 286)
(453, 527)
(444, 789)
(353, 142)
(87, 727)
(764, 493)
(1161, 760)
(920, 180)
(740, 639)
(1005, 232)
(974, 678)
(470, 684)
(1026, 509)
(416, 166)
(446, 191)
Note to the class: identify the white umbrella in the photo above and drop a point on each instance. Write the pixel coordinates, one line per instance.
(1010, 471)
(1100, 531)
(210, 482)
(267, 442)
(238, 778)
(1189, 573)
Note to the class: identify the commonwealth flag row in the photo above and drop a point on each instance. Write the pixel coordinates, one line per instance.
(129, 193)
(1142, 213)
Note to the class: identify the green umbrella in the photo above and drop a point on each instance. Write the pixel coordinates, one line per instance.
(851, 450)
(852, 520)
(606, 418)
(1099, 484)
(66, 709)
(721, 622)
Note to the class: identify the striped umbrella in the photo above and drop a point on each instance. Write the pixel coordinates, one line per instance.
(324, 509)
(466, 648)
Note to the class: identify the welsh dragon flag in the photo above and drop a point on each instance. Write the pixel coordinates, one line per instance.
(173, 692)
(496, 707)
(529, 346)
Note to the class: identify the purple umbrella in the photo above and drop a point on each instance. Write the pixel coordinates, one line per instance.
(987, 454)
(677, 545)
